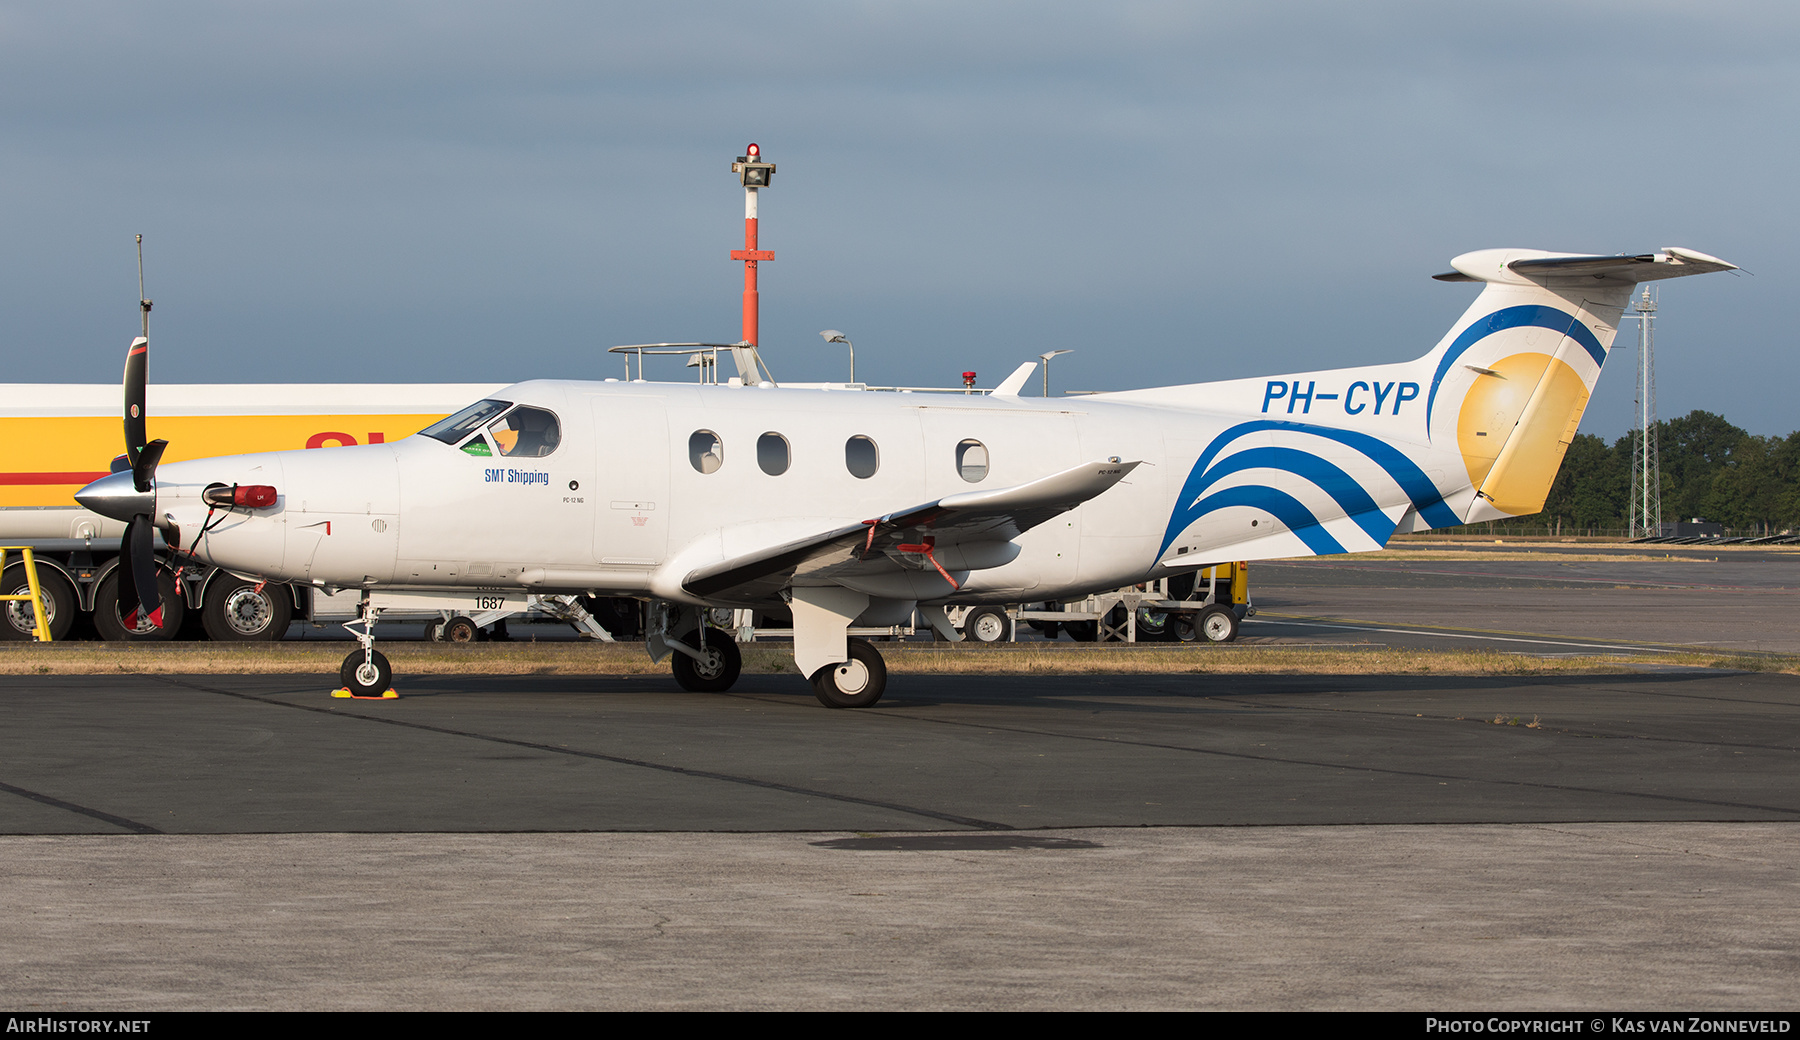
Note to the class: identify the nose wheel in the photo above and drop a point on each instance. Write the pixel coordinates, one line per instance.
(367, 677)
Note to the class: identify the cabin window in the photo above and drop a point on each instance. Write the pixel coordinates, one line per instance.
(453, 429)
(526, 433)
(772, 454)
(706, 451)
(861, 457)
(971, 460)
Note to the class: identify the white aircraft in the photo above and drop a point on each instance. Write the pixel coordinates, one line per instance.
(849, 506)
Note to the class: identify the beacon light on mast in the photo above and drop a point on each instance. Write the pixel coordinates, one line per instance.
(753, 174)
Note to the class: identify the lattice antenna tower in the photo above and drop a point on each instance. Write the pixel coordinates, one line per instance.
(1646, 465)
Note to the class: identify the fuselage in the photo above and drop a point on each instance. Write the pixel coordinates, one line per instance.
(645, 482)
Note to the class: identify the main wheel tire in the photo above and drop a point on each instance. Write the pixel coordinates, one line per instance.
(460, 629)
(19, 621)
(1082, 631)
(856, 683)
(112, 628)
(1218, 625)
(987, 625)
(434, 630)
(235, 611)
(1185, 629)
(366, 678)
(719, 668)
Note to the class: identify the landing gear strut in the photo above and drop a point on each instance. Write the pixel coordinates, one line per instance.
(704, 660)
(366, 674)
(712, 667)
(845, 672)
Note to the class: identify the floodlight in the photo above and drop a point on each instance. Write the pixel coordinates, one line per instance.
(834, 336)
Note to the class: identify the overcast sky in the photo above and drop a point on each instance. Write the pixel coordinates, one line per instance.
(1178, 191)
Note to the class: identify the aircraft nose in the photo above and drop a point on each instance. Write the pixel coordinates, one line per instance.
(116, 496)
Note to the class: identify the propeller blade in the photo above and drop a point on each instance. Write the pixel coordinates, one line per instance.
(137, 374)
(128, 597)
(143, 471)
(138, 577)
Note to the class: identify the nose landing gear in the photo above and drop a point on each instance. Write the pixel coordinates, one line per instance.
(366, 674)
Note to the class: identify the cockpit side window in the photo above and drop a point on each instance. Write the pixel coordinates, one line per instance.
(453, 429)
(526, 433)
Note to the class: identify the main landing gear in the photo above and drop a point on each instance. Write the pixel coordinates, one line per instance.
(845, 672)
(705, 664)
(704, 660)
(856, 683)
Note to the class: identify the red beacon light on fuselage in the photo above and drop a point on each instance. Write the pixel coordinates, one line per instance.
(239, 496)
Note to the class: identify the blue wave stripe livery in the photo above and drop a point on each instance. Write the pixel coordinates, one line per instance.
(1522, 316)
(1283, 507)
(1333, 481)
(1418, 487)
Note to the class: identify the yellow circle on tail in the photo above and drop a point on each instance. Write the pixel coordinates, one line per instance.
(1515, 425)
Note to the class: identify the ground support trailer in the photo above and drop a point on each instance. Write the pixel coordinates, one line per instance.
(1204, 605)
(1208, 605)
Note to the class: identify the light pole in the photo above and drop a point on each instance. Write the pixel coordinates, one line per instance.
(834, 336)
(754, 174)
(1045, 358)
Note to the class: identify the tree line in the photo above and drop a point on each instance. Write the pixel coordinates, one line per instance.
(1710, 469)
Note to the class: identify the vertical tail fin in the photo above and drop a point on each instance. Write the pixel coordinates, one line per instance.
(1340, 460)
(1510, 382)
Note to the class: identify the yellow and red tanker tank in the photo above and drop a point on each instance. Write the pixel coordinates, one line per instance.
(58, 437)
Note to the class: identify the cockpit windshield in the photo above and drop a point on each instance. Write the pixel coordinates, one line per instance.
(465, 422)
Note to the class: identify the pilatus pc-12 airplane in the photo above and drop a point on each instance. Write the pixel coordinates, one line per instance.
(854, 507)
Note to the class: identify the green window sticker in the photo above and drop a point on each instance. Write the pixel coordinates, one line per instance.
(478, 446)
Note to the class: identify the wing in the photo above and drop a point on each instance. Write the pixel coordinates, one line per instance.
(908, 538)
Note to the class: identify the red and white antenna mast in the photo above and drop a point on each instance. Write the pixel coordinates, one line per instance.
(754, 174)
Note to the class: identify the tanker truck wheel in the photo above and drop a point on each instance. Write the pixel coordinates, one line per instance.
(237, 611)
(17, 620)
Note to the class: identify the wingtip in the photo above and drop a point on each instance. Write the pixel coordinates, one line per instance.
(1694, 256)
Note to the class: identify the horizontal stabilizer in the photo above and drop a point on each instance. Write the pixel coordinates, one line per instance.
(1535, 267)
